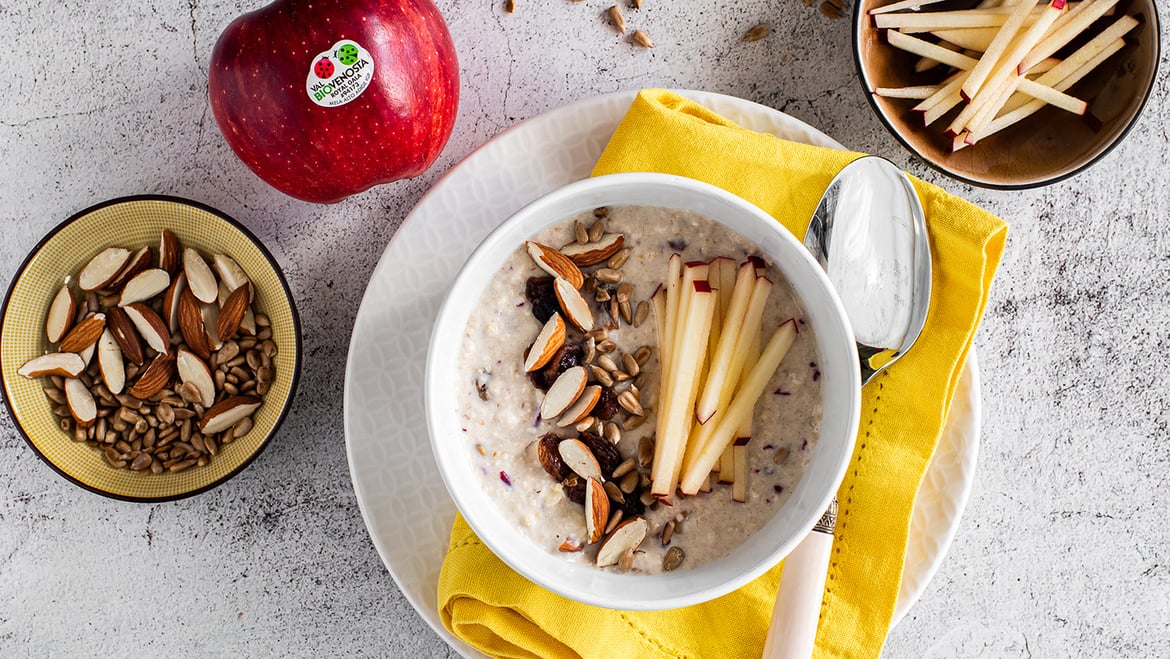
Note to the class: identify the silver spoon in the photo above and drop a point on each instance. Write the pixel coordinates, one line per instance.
(869, 234)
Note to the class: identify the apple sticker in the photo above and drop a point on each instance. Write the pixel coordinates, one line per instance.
(330, 86)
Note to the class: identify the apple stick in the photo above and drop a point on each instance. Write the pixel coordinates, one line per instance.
(745, 399)
(899, 6)
(753, 319)
(1004, 78)
(997, 48)
(676, 409)
(692, 271)
(1067, 32)
(666, 350)
(1007, 119)
(960, 61)
(974, 38)
(727, 465)
(721, 376)
(744, 432)
(954, 20)
(715, 278)
(739, 468)
(914, 91)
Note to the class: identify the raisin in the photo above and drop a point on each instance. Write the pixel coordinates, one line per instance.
(567, 357)
(632, 506)
(677, 244)
(541, 294)
(574, 489)
(607, 405)
(608, 457)
(550, 457)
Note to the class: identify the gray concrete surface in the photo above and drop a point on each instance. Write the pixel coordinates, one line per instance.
(1063, 551)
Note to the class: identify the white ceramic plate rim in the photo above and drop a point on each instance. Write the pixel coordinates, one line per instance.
(841, 387)
(604, 111)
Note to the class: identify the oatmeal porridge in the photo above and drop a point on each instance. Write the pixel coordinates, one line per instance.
(605, 353)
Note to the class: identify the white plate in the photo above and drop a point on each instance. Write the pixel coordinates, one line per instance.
(401, 496)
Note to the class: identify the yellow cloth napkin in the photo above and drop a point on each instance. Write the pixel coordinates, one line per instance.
(491, 607)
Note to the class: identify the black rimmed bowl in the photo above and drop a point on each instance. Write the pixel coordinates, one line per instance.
(133, 223)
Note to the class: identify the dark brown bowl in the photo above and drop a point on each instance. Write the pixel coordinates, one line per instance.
(1046, 147)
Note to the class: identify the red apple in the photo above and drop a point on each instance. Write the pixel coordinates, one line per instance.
(326, 98)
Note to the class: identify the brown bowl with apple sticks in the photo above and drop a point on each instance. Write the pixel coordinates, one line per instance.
(1006, 94)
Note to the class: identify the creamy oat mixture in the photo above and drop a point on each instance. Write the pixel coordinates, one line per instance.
(501, 432)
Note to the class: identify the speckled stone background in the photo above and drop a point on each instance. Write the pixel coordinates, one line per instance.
(1064, 549)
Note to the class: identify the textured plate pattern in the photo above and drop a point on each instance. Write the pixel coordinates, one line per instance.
(402, 498)
(133, 224)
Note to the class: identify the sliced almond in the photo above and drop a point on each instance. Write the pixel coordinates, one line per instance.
(110, 362)
(170, 306)
(144, 286)
(564, 392)
(194, 370)
(248, 324)
(65, 364)
(155, 377)
(84, 334)
(200, 279)
(103, 268)
(548, 342)
(150, 327)
(170, 253)
(226, 413)
(625, 538)
(232, 313)
(555, 263)
(124, 333)
(231, 273)
(596, 509)
(139, 261)
(594, 253)
(580, 409)
(191, 325)
(210, 313)
(81, 403)
(87, 353)
(61, 313)
(570, 545)
(579, 458)
(575, 307)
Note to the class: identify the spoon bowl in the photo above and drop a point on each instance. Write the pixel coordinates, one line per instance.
(869, 234)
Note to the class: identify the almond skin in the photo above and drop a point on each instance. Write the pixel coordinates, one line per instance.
(155, 377)
(594, 253)
(191, 325)
(232, 313)
(596, 509)
(84, 334)
(555, 263)
(170, 253)
(125, 335)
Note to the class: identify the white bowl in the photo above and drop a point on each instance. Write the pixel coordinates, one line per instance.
(840, 382)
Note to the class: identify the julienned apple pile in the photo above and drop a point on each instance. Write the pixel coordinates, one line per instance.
(325, 99)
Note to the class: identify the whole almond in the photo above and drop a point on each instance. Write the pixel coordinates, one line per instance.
(170, 253)
(103, 268)
(595, 252)
(232, 313)
(84, 334)
(226, 413)
(150, 326)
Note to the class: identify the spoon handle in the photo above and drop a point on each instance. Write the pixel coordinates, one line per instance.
(793, 630)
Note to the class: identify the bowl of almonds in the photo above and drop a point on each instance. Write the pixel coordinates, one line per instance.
(150, 348)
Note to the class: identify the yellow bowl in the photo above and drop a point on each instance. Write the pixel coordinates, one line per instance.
(135, 222)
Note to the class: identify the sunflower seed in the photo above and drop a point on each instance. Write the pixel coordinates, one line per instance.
(581, 232)
(781, 455)
(268, 348)
(627, 312)
(597, 229)
(642, 39)
(613, 492)
(757, 32)
(180, 466)
(619, 259)
(585, 424)
(645, 452)
(606, 362)
(673, 559)
(615, 16)
(629, 482)
(667, 533)
(606, 347)
(143, 461)
(626, 467)
(264, 334)
(601, 375)
(630, 364)
(590, 351)
(608, 275)
(613, 433)
(601, 294)
(634, 422)
(614, 520)
(210, 446)
(242, 427)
